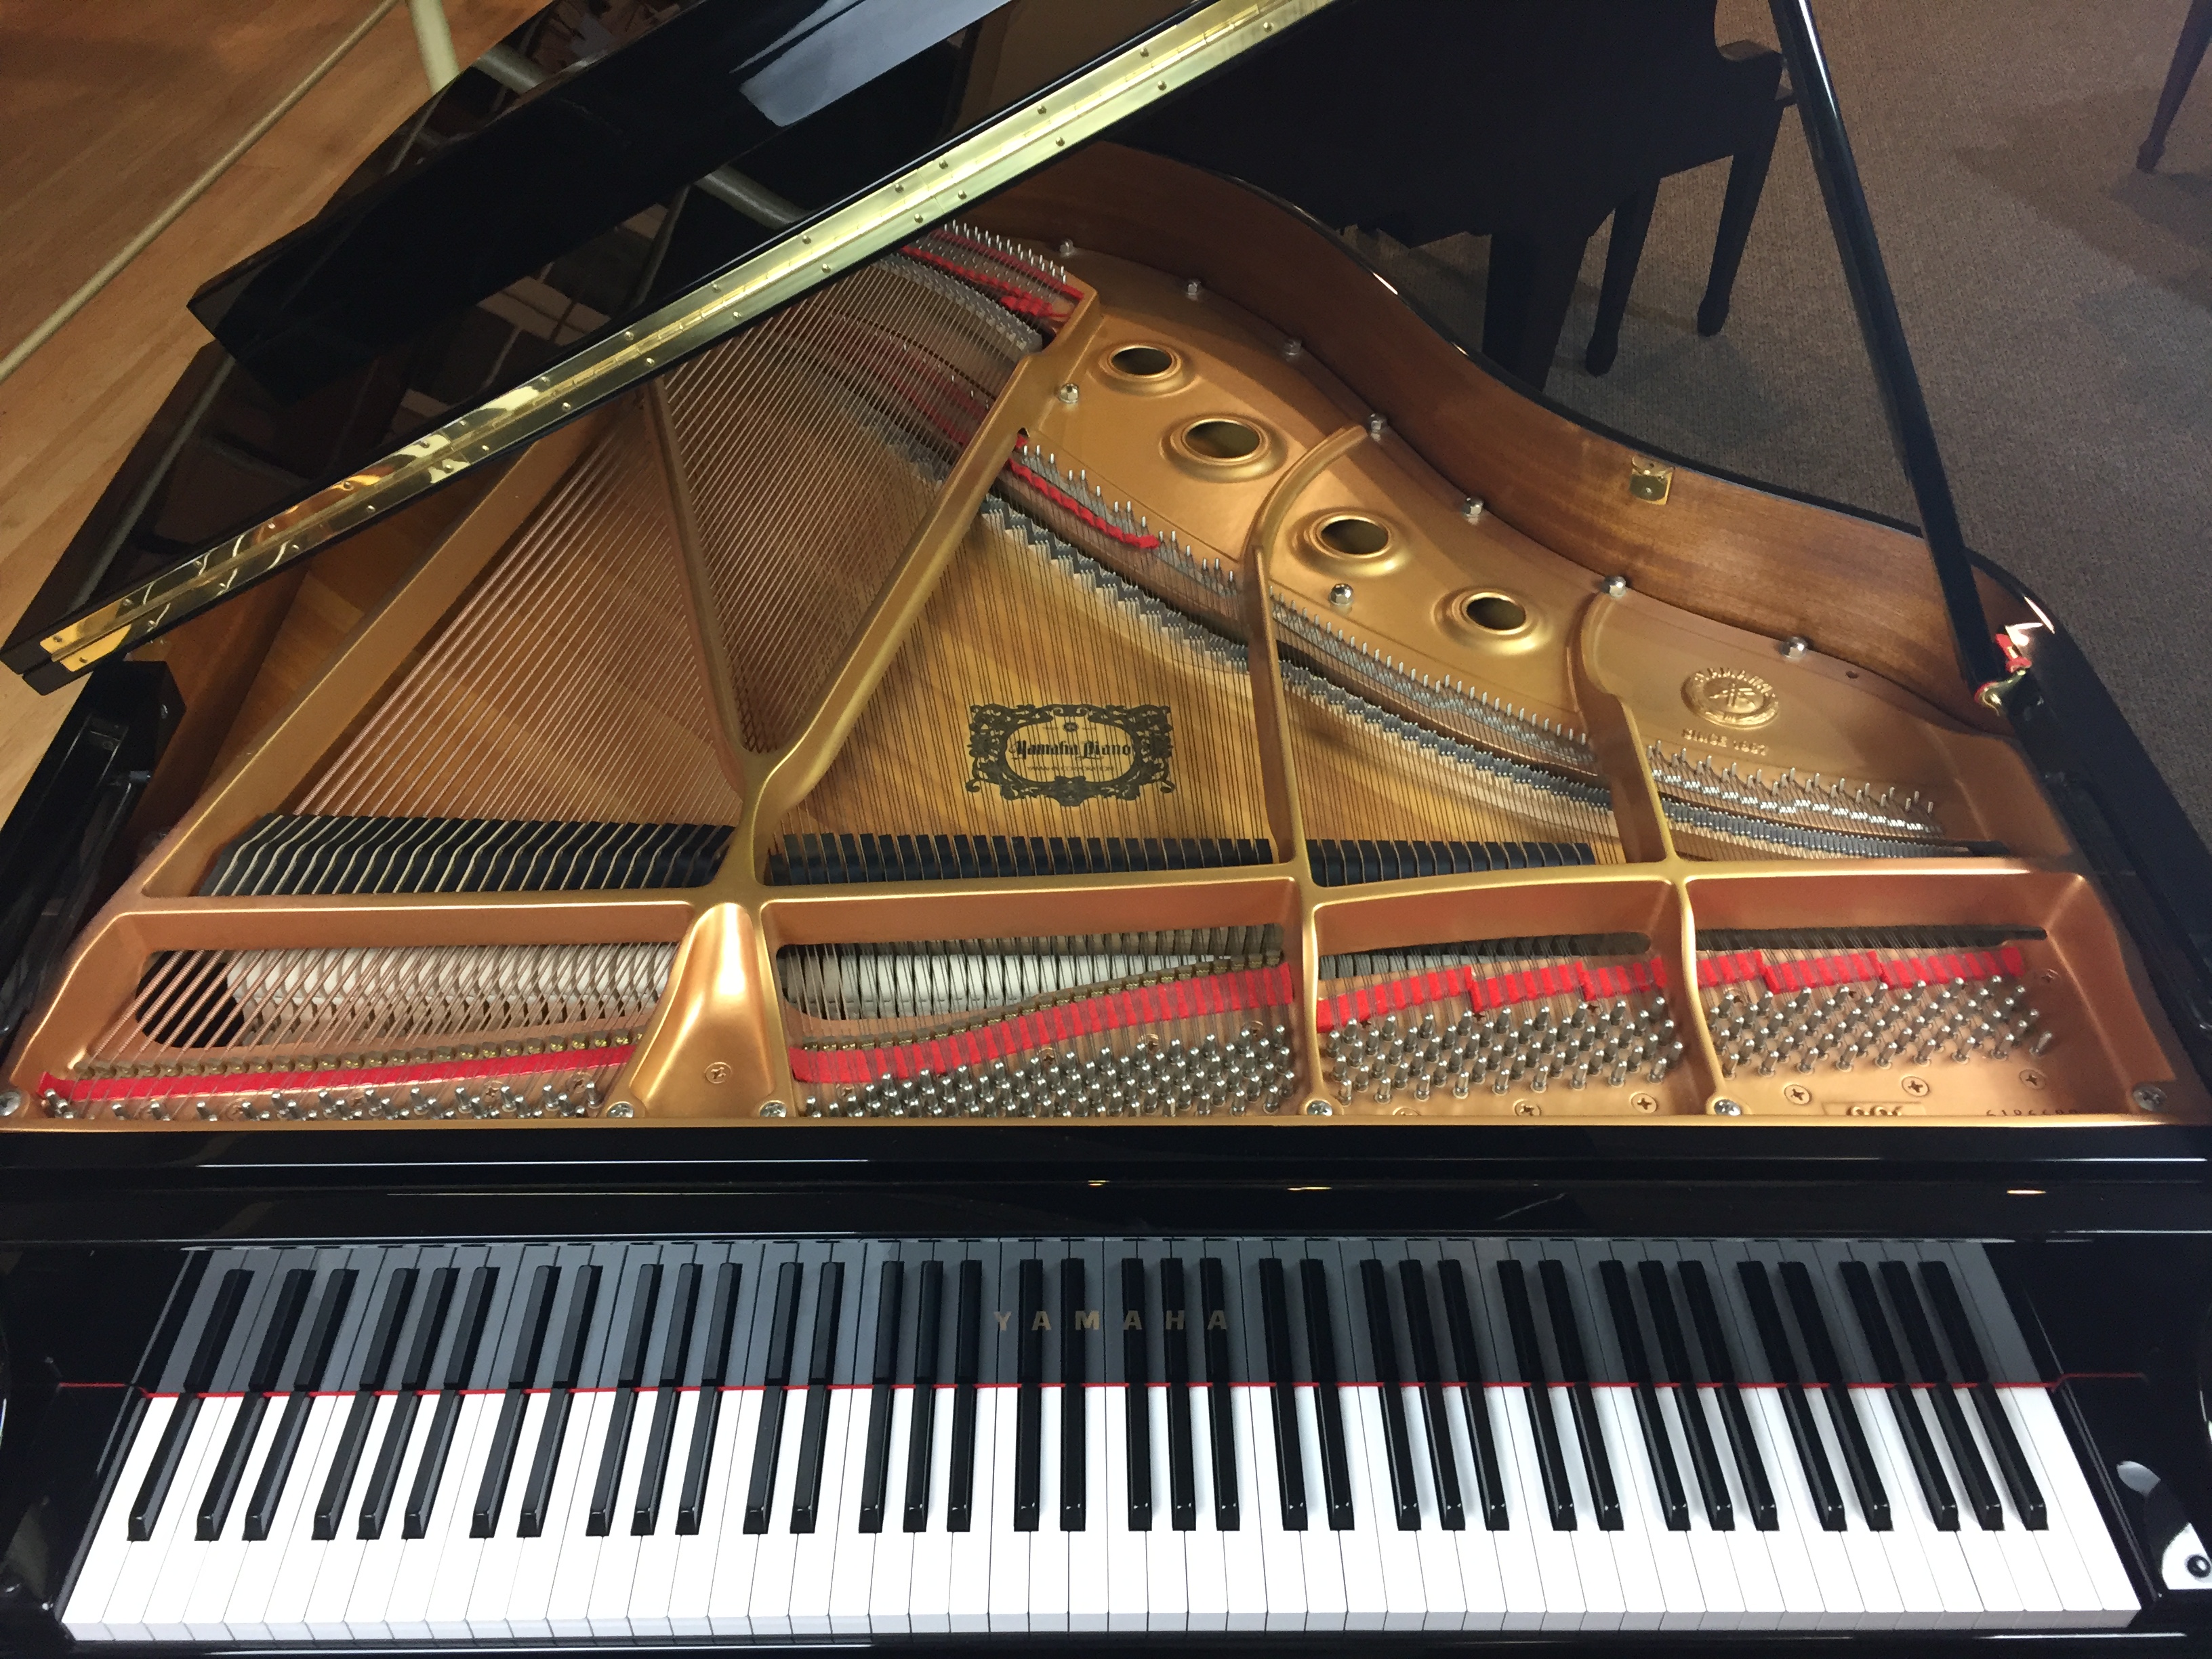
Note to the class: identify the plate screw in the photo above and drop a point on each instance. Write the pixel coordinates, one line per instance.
(719, 1072)
(1644, 1102)
(2033, 1079)
(1320, 1108)
(1472, 509)
(622, 1108)
(1524, 1109)
(1797, 1094)
(1915, 1087)
(1070, 394)
(1340, 596)
(1614, 586)
(2149, 1099)
(11, 1101)
(1795, 646)
(1192, 288)
(1068, 250)
(771, 1108)
(1728, 1109)
(1375, 427)
(1293, 349)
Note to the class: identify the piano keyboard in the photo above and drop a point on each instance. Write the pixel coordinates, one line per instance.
(807, 1438)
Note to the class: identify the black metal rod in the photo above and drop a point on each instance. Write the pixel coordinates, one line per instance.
(1906, 409)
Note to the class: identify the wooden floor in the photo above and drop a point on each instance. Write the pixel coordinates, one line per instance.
(108, 109)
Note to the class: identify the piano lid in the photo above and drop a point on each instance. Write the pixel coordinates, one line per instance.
(740, 154)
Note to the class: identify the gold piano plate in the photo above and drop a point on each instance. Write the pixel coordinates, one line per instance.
(999, 690)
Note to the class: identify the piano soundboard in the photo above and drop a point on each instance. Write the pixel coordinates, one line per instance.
(797, 1438)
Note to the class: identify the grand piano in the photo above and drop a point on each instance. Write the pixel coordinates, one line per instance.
(851, 857)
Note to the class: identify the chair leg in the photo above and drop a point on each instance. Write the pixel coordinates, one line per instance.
(1624, 248)
(1746, 182)
(1524, 310)
(2188, 53)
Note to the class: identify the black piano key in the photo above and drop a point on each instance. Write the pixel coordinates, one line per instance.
(1428, 1372)
(1882, 1346)
(1842, 1409)
(1674, 1356)
(376, 1366)
(966, 1343)
(1928, 1362)
(1175, 1357)
(1658, 1444)
(1390, 1381)
(214, 1338)
(1031, 1320)
(814, 1428)
(1136, 1390)
(522, 1377)
(1566, 1337)
(567, 1362)
(1804, 1433)
(460, 1364)
(1282, 1393)
(713, 1373)
(675, 1358)
(1213, 1296)
(637, 1334)
(2012, 1463)
(1536, 1393)
(1467, 1364)
(883, 1389)
(783, 1337)
(314, 1363)
(1720, 1367)
(1328, 1400)
(1074, 1393)
(921, 1427)
(383, 1477)
(246, 1427)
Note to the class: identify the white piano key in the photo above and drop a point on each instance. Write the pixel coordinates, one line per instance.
(272, 1592)
(338, 1565)
(538, 1584)
(1772, 1569)
(737, 1552)
(2035, 1598)
(1559, 1567)
(453, 1520)
(1982, 1551)
(1125, 1545)
(384, 1558)
(1657, 1575)
(1648, 1601)
(614, 1570)
(1090, 1583)
(1835, 1595)
(888, 1607)
(1913, 1545)
(178, 1554)
(814, 1554)
(1244, 1557)
(968, 1602)
(852, 1579)
(690, 1596)
(1007, 1608)
(1167, 1583)
(1282, 1553)
(567, 1605)
(208, 1609)
(445, 1551)
(1720, 1585)
(2062, 1552)
(2069, 1504)
(769, 1609)
(1597, 1566)
(1205, 1564)
(1489, 1561)
(1048, 1592)
(92, 1600)
(1881, 1606)
(493, 1595)
(1395, 1596)
(1320, 1547)
(1444, 1594)
(653, 1587)
(929, 1606)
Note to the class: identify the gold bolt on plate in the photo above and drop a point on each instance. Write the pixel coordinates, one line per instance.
(1320, 1108)
(719, 1072)
(1797, 1094)
(1727, 1108)
(2148, 1098)
(1525, 1109)
(2032, 1078)
(771, 1108)
(1644, 1102)
(1915, 1087)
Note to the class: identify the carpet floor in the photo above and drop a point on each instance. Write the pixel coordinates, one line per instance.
(2058, 304)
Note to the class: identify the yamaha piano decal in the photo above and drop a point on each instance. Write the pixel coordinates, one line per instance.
(1070, 752)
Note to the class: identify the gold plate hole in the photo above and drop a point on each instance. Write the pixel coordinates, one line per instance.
(1219, 439)
(1353, 535)
(1496, 612)
(1144, 362)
